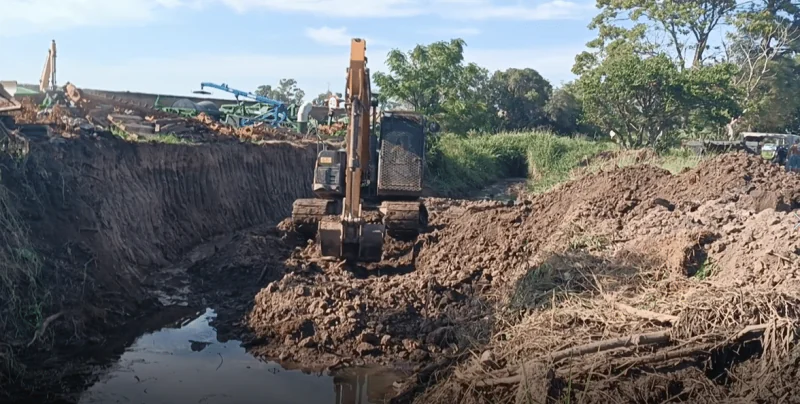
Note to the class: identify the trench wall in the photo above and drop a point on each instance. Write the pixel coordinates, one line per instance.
(124, 208)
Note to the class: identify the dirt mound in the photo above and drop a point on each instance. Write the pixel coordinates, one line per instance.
(618, 253)
(631, 256)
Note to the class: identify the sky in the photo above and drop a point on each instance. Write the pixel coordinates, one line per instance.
(171, 46)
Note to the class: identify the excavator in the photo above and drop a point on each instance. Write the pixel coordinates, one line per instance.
(373, 186)
(47, 82)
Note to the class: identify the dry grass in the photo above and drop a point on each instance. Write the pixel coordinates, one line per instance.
(593, 292)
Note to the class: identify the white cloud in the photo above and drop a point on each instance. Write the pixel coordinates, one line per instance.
(334, 8)
(551, 10)
(455, 9)
(29, 16)
(454, 32)
(21, 17)
(336, 36)
(329, 36)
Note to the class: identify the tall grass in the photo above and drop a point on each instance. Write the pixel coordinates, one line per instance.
(457, 165)
(674, 160)
(22, 297)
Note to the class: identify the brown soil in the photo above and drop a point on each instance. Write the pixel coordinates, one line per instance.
(108, 219)
(123, 228)
(647, 237)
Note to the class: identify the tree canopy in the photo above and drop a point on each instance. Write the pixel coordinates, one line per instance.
(287, 92)
(658, 71)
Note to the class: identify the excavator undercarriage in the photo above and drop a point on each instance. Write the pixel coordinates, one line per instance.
(373, 186)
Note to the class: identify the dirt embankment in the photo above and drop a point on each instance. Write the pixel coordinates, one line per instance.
(620, 253)
(100, 218)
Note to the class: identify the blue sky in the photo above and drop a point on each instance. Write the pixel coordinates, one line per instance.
(170, 46)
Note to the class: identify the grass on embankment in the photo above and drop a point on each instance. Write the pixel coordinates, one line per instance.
(22, 297)
(459, 165)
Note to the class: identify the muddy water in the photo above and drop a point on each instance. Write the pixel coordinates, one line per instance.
(188, 365)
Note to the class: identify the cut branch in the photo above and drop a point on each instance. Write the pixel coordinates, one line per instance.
(652, 338)
(647, 315)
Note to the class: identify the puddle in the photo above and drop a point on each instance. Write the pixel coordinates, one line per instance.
(188, 365)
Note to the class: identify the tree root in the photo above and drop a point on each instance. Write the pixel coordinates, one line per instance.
(44, 326)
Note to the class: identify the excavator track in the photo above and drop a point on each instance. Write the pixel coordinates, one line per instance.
(307, 214)
(404, 219)
(401, 219)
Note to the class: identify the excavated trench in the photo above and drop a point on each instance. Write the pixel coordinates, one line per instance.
(151, 254)
(116, 231)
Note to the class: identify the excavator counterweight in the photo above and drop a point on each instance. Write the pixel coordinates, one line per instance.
(371, 187)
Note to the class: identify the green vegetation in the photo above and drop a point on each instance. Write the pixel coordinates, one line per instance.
(658, 72)
(169, 138)
(458, 164)
(286, 92)
(22, 297)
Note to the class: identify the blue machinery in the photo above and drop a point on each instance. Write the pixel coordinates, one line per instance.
(276, 116)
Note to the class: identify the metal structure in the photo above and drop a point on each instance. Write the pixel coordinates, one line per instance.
(47, 82)
(188, 108)
(275, 116)
(373, 186)
(778, 148)
(7, 100)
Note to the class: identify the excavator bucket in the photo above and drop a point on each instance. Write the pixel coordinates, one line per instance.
(351, 241)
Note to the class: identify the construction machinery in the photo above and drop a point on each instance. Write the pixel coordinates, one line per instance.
(373, 186)
(47, 82)
(272, 112)
(7, 100)
(782, 149)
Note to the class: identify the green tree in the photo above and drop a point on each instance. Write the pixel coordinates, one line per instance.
(322, 98)
(435, 81)
(286, 92)
(564, 110)
(645, 100)
(764, 46)
(520, 95)
(682, 29)
(636, 98)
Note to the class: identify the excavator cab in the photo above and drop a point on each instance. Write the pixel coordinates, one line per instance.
(374, 186)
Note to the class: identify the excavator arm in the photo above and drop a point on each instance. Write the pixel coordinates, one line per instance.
(349, 235)
(357, 104)
(370, 188)
(48, 80)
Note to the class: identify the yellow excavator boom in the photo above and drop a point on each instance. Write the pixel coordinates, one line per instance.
(357, 104)
(349, 235)
(48, 80)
